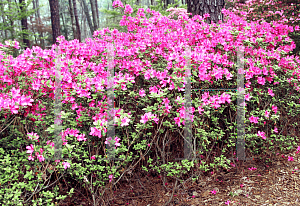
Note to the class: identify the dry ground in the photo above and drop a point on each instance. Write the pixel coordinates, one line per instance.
(275, 183)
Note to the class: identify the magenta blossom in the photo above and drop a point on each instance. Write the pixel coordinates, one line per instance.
(66, 165)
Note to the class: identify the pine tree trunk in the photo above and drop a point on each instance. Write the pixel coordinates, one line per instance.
(98, 20)
(72, 19)
(93, 6)
(12, 30)
(24, 25)
(54, 19)
(3, 19)
(78, 34)
(41, 35)
(211, 7)
(86, 11)
(65, 27)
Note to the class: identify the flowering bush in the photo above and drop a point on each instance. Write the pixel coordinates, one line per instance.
(154, 50)
(176, 12)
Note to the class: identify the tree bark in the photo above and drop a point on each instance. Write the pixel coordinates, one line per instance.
(3, 19)
(98, 20)
(11, 29)
(86, 11)
(54, 10)
(40, 22)
(65, 27)
(211, 7)
(93, 6)
(78, 33)
(24, 25)
(72, 19)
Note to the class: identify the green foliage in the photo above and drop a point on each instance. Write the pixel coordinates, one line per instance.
(12, 13)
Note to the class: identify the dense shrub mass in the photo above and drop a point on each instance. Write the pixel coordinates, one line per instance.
(150, 114)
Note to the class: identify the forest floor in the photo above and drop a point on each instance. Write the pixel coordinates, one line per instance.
(274, 183)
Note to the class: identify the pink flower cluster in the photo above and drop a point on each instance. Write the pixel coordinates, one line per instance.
(176, 12)
(108, 141)
(117, 4)
(161, 33)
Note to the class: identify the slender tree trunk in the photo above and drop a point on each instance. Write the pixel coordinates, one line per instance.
(12, 29)
(98, 20)
(72, 19)
(24, 25)
(85, 28)
(41, 35)
(33, 30)
(65, 27)
(211, 7)
(54, 19)
(78, 33)
(86, 11)
(36, 19)
(83, 17)
(3, 19)
(93, 6)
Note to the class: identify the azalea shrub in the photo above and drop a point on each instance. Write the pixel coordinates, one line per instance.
(149, 65)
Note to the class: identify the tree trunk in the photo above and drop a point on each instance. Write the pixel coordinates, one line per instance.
(86, 11)
(83, 17)
(3, 19)
(72, 19)
(11, 29)
(24, 25)
(96, 4)
(54, 10)
(211, 7)
(65, 27)
(85, 29)
(40, 22)
(78, 34)
(93, 6)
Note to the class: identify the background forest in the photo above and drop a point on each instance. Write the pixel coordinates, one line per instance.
(29, 21)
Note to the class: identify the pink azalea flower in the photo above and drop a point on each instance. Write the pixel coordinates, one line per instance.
(290, 158)
(247, 97)
(270, 92)
(30, 149)
(252, 168)
(30, 157)
(267, 114)
(253, 119)
(274, 108)
(261, 134)
(128, 9)
(275, 130)
(261, 80)
(214, 192)
(81, 137)
(93, 157)
(200, 110)
(177, 121)
(117, 4)
(66, 165)
(110, 177)
(125, 121)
